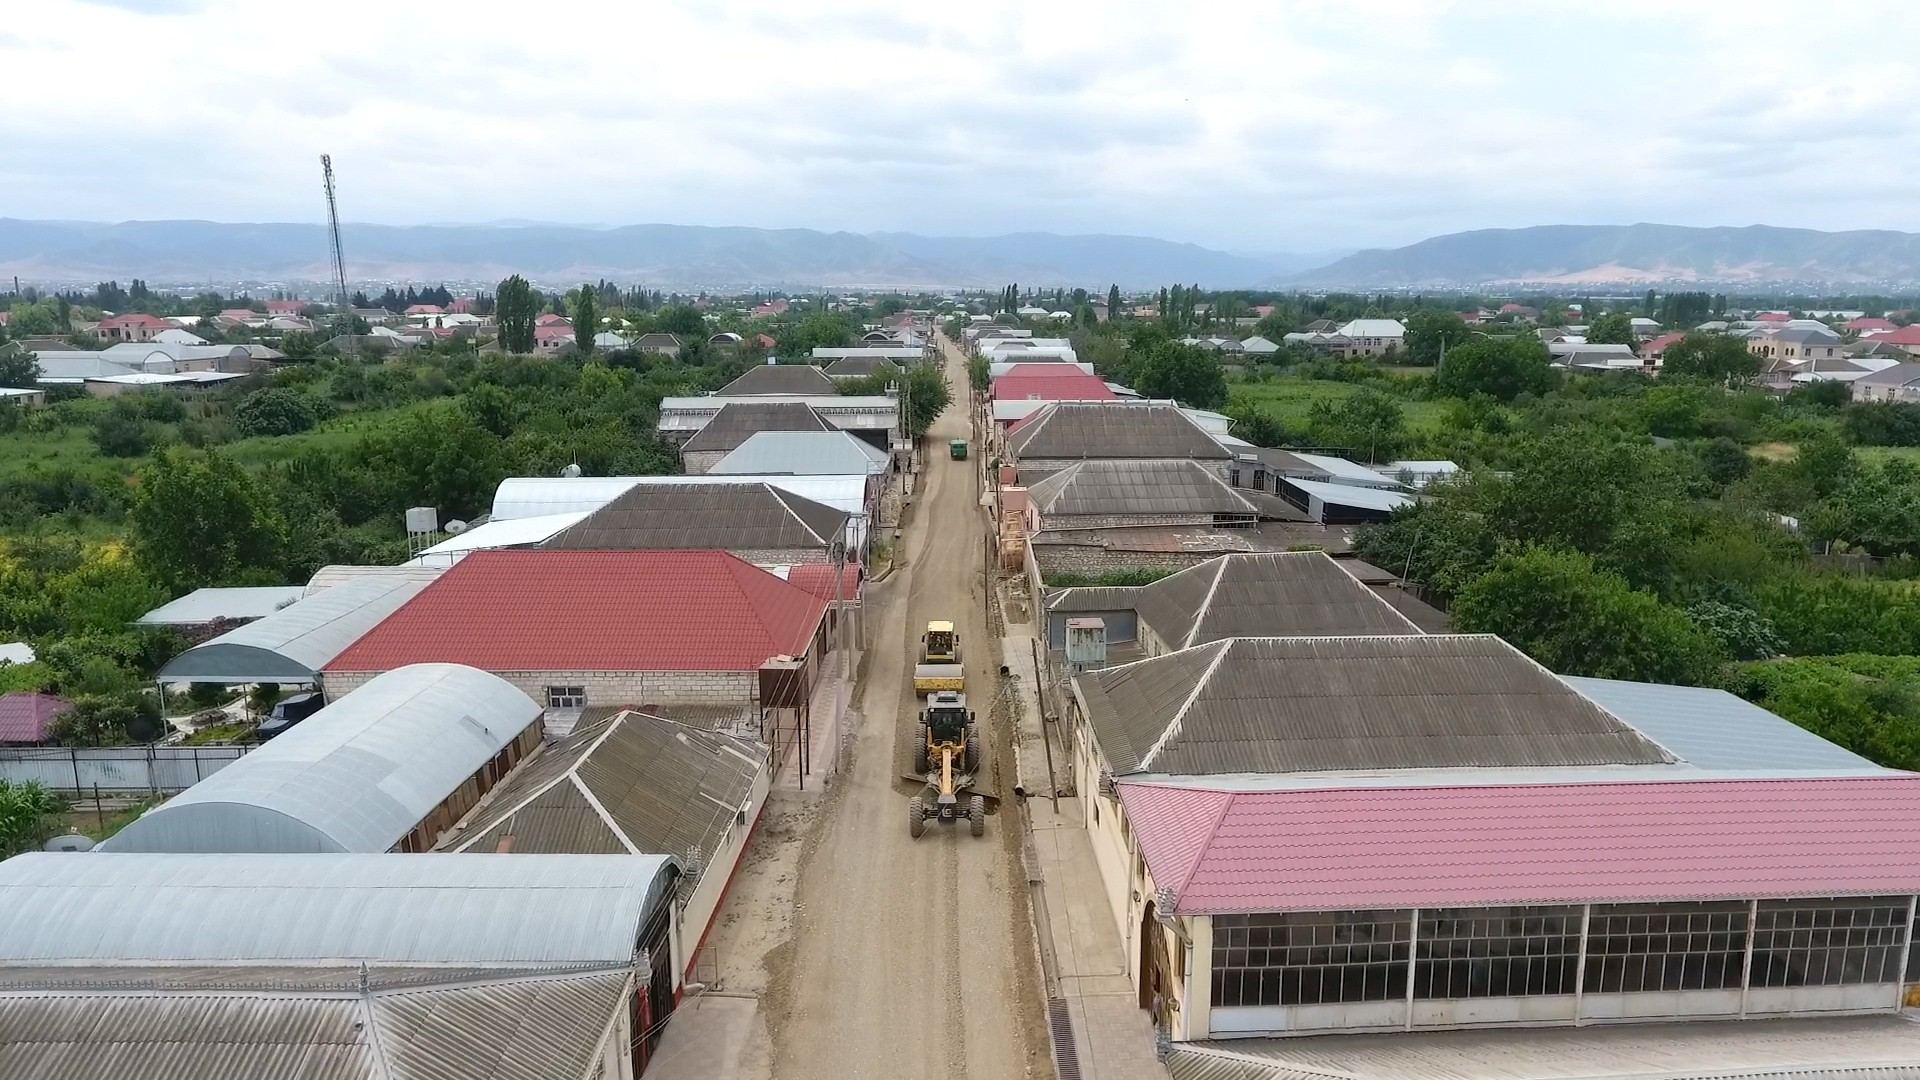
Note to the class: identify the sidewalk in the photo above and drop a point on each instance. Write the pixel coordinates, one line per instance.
(1081, 947)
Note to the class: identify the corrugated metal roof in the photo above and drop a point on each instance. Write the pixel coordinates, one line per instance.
(858, 367)
(485, 1026)
(779, 379)
(210, 605)
(1339, 470)
(1132, 430)
(718, 516)
(525, 495)
(1305, 704)
(814, 453)
(512, 532)
(737, 422)
(296, 642)
(393, 908)
(658, 785)
(339, 574)
(1118, 487)
(1357, 849)
(359, 775)
(1810, 1048)
(1349, 495)
(1280, 594)
(629, 611)
(1713, 729)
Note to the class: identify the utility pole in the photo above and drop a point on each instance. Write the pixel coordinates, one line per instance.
(343, 317)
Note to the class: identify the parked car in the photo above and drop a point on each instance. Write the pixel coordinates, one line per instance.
(289, 712)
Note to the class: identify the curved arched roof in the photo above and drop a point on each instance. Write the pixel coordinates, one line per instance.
(355, 777)
(70, 907)
(295, 642)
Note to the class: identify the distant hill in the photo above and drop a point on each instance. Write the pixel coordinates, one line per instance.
(1631, 254)
(665, 255)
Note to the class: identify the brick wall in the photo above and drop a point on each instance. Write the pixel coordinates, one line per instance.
(1032, 469)
(781, 556)
(1111, 521)
(609, 687)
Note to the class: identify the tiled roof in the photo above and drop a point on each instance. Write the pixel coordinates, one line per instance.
(1071, 384)
(717, 516)
(1906, 335)
(738, 421)
(861, 366)
(780, 379)
(535, 610)
(817, 578)
(1113, 431)
(1352, 849)
(1312, 704)
(24, 717)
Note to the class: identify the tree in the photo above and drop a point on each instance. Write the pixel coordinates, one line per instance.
(515, 308)
(1882, 423)
(200, 519)
(1742, 632)
(1709, 356)
(1558, 608)
(1164, 368)
(1613, 328)
(441, 458)
(18, 368)
(1433, 333)
(1723, 461)
(1867, 704)
(1113, 303)
(29, 816)
(922, 386)
(1499, 369)
(275, 411)
(586, 320)
(685, 321)
(1254, 424)
(123, 432)
(1368, 421)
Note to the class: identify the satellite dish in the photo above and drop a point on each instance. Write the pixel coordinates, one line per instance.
(571, 471)
(455, 528)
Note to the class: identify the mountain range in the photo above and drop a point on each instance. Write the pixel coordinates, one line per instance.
(1633, 254)
(665, 255)
(690, 256)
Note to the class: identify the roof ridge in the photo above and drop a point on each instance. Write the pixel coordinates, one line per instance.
(781, 497)
(1180, 715)
(1206, 603)
(1200, 850)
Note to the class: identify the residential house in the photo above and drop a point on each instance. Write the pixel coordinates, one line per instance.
(554, 337)
(1644, 328)
(658, 344)
(578, 628)
(754, 520)
(1373, 337)
(632, 781)
(740, 420)
(779, 379)
(1258, 346)
(178, 336)
(1906, 337)
(861, 367)
(1062, 433)
(373, 316)
(27, 719)
(133, 326)
(1797, 345)
(22, 397)
(770, 308)
(1901, 382)
(829, 452)
(1592, 356)
(1869, 326)
(1653, 352)
(875, 418)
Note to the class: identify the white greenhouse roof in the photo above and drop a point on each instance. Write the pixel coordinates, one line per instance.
(1713, 729)
(530, 496)
(211, 605)
(64, 907)
(1366, 498)
(357, 776)
(802, 453)
(1345, 472)
(294, 643)
(335, 574)
(512, 532)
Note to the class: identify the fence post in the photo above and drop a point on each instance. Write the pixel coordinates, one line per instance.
(153, 768)
(73, 758)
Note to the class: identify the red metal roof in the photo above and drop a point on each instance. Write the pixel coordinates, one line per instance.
(1356, 849)
(1076, 387)
(1661, 344)
(136, 318)
(1906, 335)
(24, 717)
(537, 610)
(1861, 325)
(817, 579)
(1773, 316)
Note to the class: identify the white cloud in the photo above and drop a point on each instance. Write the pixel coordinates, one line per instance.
(1246, 125)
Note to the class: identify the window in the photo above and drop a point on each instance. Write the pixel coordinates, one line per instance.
(1310, 958)
(1829, 942)
(566, 697)
(1496, 952)
(1636, 947)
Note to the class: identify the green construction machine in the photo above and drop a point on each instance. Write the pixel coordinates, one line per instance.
(947, 755)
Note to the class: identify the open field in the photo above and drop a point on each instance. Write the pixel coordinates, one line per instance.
(1288, 401)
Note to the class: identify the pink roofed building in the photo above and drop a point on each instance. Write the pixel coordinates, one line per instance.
(1308, 835)
(1866, 326)
(133, 326)
(286, 307)
(27, 719)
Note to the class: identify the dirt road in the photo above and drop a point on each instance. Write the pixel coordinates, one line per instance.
(913, 958)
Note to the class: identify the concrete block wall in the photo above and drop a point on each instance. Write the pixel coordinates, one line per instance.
(781, 556)
(700, 462)
(1113, 521)
(609, 687)
(1087, 559)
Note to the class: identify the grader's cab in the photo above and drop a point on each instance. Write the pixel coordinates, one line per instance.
(947, 755)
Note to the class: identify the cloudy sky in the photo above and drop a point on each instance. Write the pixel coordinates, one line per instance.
(1266, 125)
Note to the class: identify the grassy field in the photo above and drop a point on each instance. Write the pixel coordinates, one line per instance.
(1288, 401)
(1886, 453)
